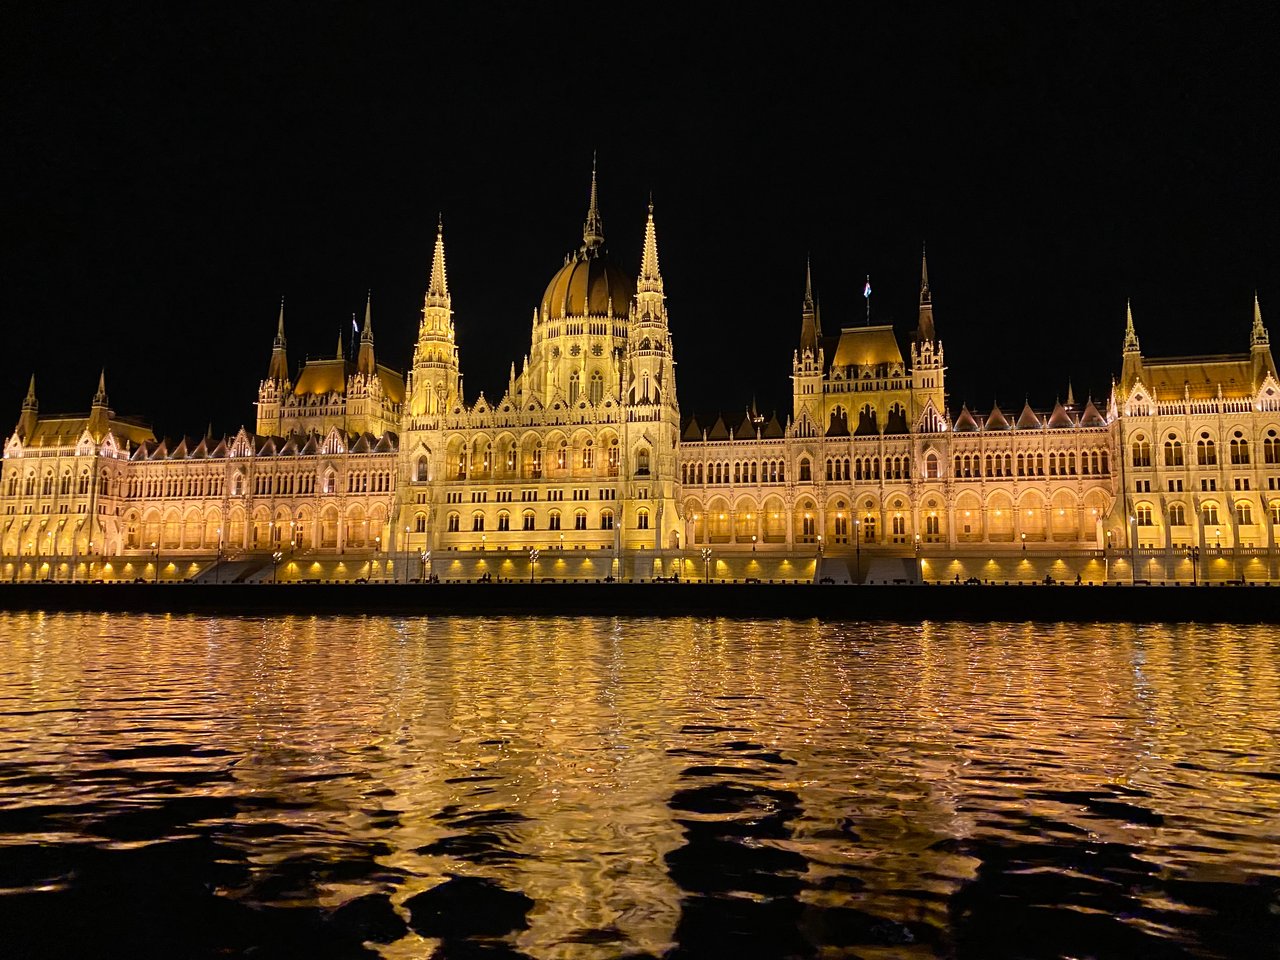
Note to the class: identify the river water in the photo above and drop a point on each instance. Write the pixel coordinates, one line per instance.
(502, 787)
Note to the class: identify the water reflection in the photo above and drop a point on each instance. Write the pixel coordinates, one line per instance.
(597, 788)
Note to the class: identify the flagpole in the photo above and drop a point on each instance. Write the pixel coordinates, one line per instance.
(866, 292)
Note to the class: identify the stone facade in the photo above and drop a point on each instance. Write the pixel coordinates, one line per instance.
(585, 468)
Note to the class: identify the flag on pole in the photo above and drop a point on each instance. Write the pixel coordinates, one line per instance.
(355, 327)
(866, 291)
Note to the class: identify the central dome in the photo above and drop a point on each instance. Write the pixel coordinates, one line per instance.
(587, 285)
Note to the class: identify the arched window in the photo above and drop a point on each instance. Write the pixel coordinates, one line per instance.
(596, 393)
(606, 519)
(1177, 515)
(420, 523)
(805, 470)
(580, 520)
(931, 467)
(46, 487)
(422, 469)
(64, 485)
(237, 484)
(1209, 514)
(613, 457)
(1206, 451)
(589, 455)
(477, 522)
(1244, 513)
(1239, 449)
(1141, 453)
(511, 457)
(869, 528)
(562, 455)
(454, 522)
(642, 462)
(1173, 451)
(1143, 514)
(528, 520)
(486, 464)
(537, 459)
(553, 520)
(642, 517)
(1271, 448)
(575, 386)
(504, 521)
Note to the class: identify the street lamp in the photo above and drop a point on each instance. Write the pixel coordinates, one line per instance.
(1133, 550)
(533, 562)
(1024, 543)
(1193, 554)
(857, 550)
(275, 566)
(156, 547)
(753, 543)
(706, 564)
(90, 560)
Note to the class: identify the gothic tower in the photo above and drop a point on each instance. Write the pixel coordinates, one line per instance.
(807, 364)
(436, 384)
(651, 421)
(275, 388)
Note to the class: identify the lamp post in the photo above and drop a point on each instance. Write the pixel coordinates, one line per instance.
(533, 562)
(90, 559)
(1024, 543)
(406, 554)
(919, 571)
(275, 566)
(377, 551)
(753, 544)
(1193, 554)
(156, 547)
(857, 550)
(1133, 550)
(706, 564)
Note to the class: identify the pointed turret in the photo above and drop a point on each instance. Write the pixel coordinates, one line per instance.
(436, 381)
(1131, 367)
(30, 412)
(924, 328)
(1260, 347)
(1131, 344)
(279, 368)
(650, 280)
(1071, 396)
(809, 332)
(99, 415)
(593, 227)
(438, 287)
(365, 362)
(341, 354)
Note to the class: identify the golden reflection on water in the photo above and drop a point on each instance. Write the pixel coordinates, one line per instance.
(621, 772)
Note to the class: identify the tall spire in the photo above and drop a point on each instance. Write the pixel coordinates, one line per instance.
(1259, 337)
(924, 327)
(593, 228)
(365, 362)
(100, 398)
(279, 368)
(925, 295)
(30, 402)
(1071, 395)
(438, 287)
(650, 280)
(809, 332)
(340, 355)
(1130, 335)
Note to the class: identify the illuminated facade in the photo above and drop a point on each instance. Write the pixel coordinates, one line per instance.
(583, 467)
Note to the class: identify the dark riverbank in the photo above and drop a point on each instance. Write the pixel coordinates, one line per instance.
(906, 603)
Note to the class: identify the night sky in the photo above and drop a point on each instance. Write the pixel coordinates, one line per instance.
(166, 181)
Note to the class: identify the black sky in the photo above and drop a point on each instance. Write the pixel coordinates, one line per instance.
(168, 174)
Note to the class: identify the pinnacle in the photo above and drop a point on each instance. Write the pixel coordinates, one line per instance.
(650, 275)
(438, 287)
(808, 284)
(367, 332)
(925, 295)
(593, 228)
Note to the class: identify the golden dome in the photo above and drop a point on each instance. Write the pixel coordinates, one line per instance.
(587, 284)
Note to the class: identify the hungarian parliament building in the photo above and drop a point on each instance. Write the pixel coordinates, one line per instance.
(585, 468)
